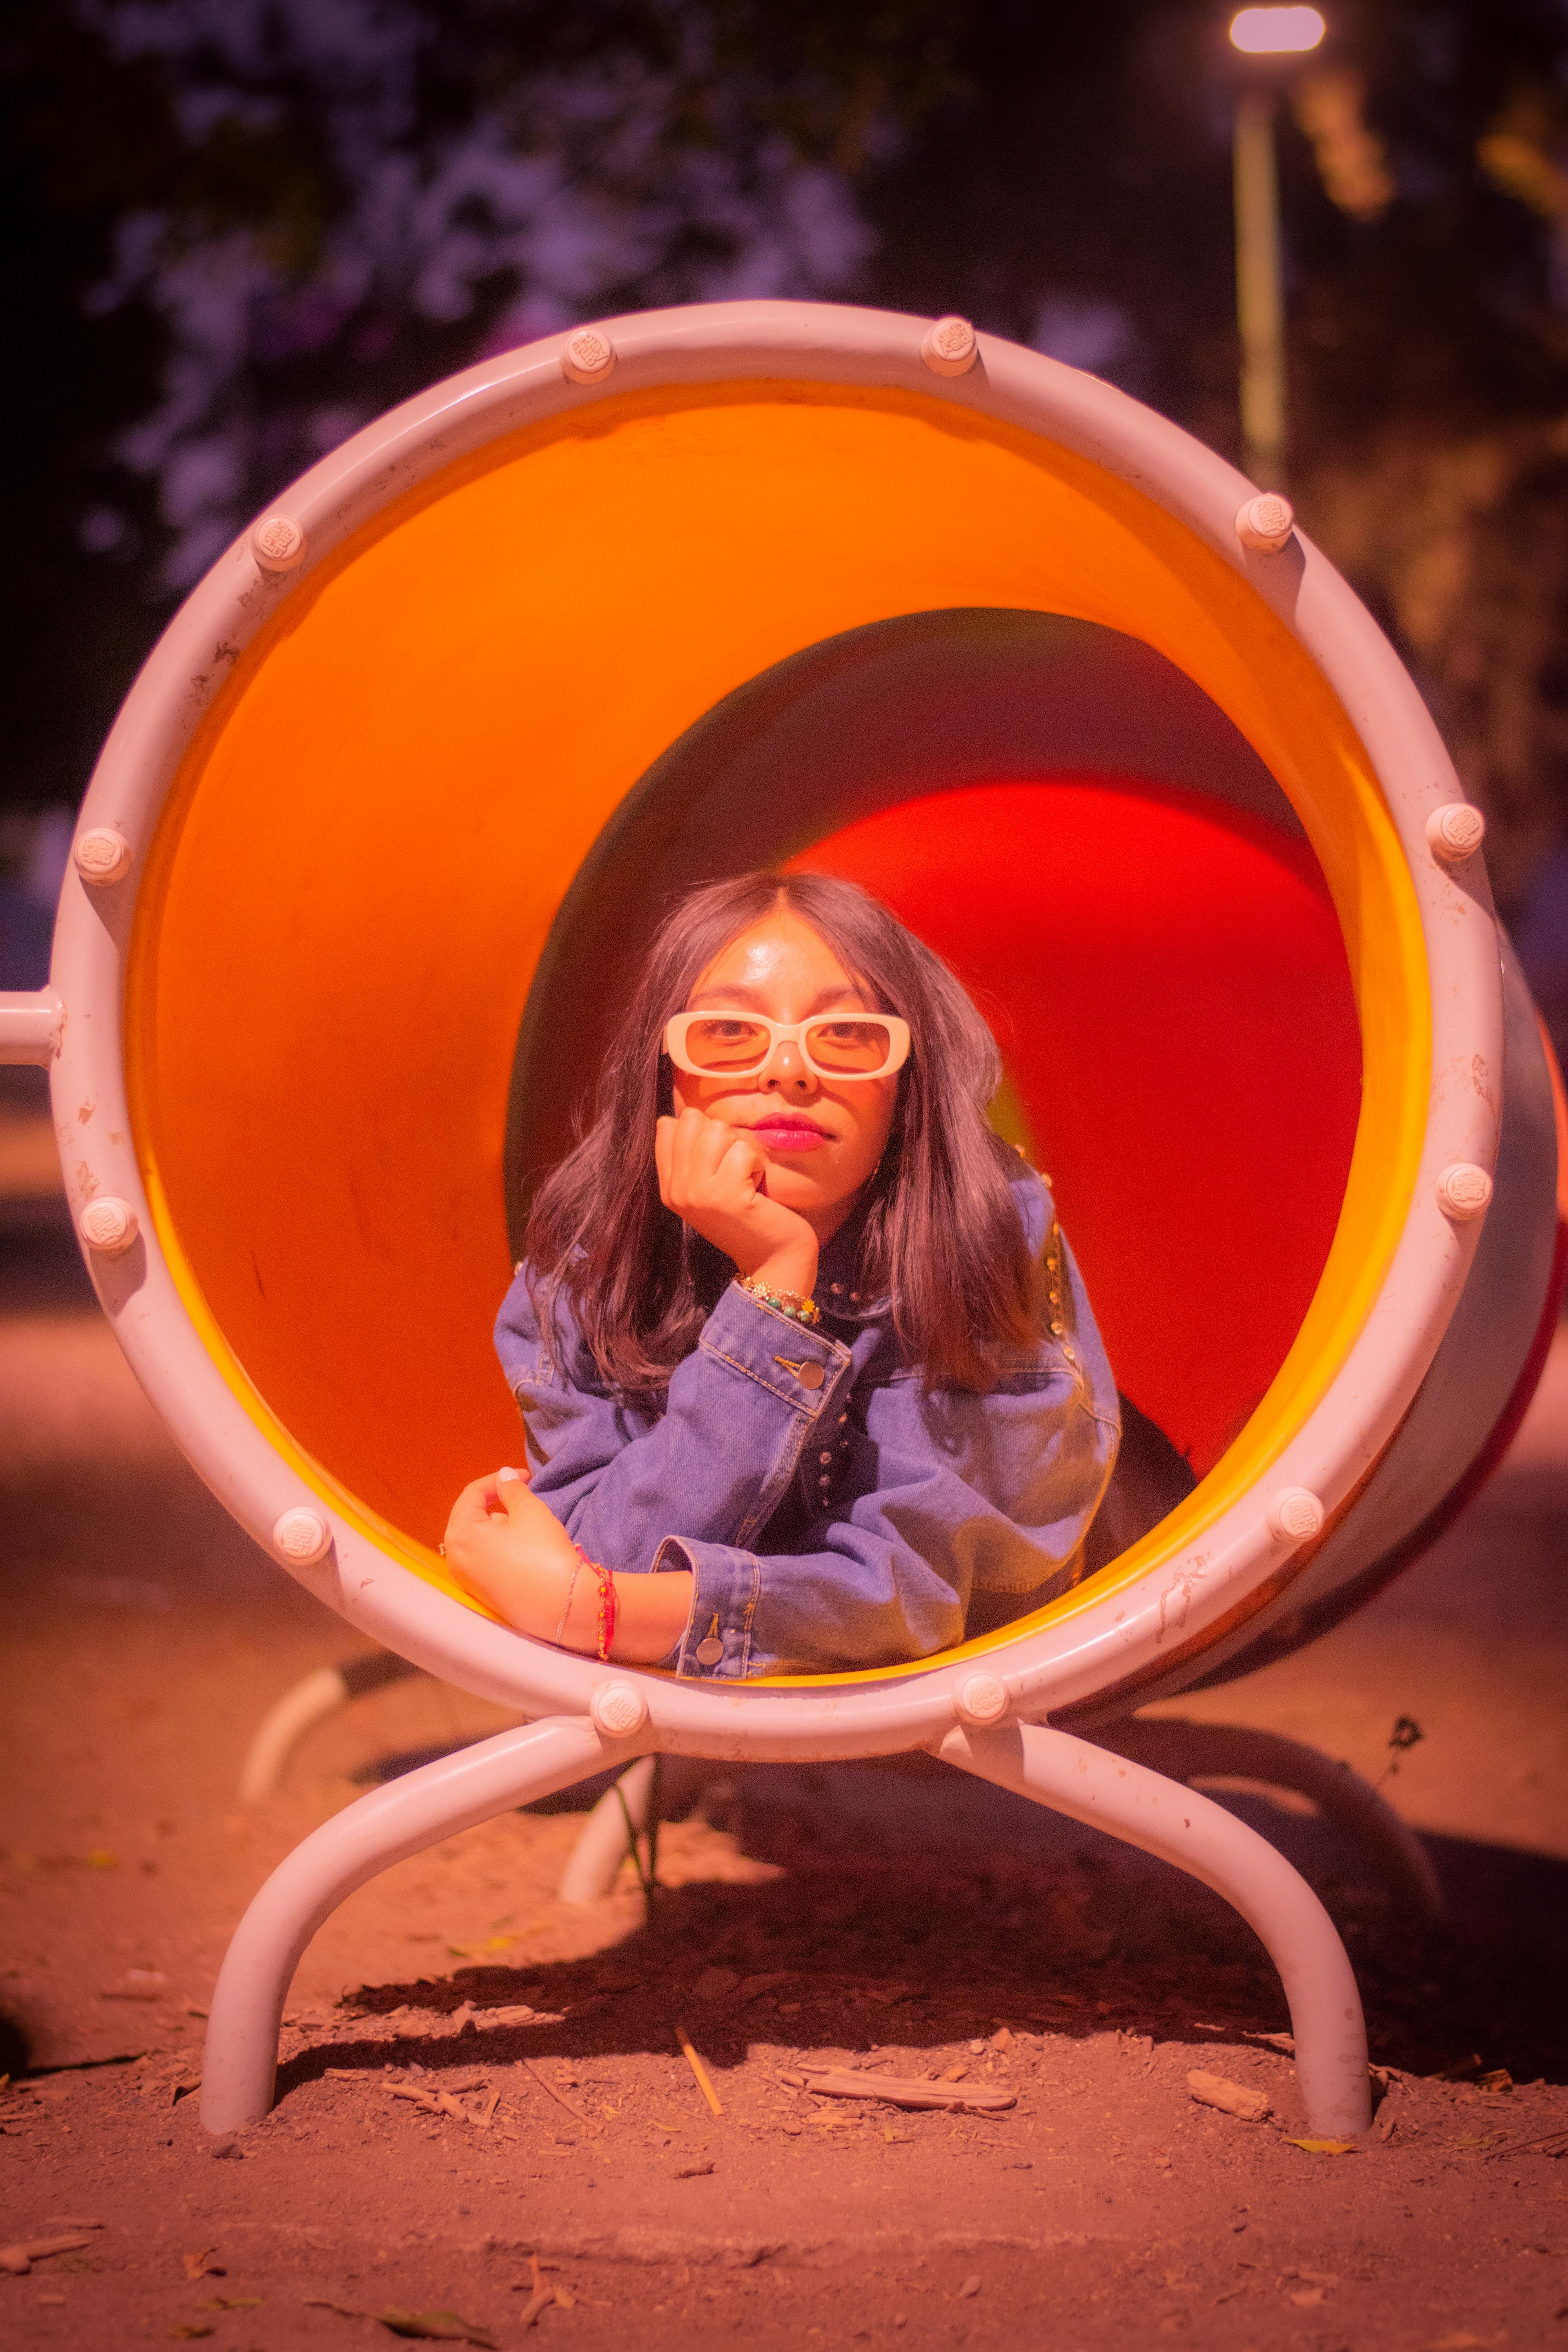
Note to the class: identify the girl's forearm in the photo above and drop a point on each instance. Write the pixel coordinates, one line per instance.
(550, 1601)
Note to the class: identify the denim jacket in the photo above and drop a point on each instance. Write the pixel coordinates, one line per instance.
(831, 1515)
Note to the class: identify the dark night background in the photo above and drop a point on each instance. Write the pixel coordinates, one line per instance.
(238, 229)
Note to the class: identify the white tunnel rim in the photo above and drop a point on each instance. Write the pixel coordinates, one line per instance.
(1056, 1666)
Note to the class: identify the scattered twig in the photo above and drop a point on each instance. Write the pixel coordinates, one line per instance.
(704, 2083)
(560, 2097)
(1519, 2147)
(1231, 2098)
(18, 2259)
(434, 2327)
(908, 2091)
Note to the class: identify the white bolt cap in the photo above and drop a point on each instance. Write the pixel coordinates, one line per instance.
(101, 855)
(279, 542)
(302, 1537)
(618, 1709)
(588, 357)
(1463, 1191)
(1265, 524)
(108, 1226)
(982, 1699)
(1295, 1515)
(947, 347)
(1455, 832)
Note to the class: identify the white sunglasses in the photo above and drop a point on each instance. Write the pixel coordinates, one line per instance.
(834, 1046)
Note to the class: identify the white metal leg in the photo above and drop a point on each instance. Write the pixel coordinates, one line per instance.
(1143, 1809)
(1211, 1751)
(410, 1813)
(308, 1702)
(595, 1862)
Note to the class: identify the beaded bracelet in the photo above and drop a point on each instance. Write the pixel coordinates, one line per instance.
(607, 1603)
(788, 1302)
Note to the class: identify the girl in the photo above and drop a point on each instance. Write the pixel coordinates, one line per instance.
(808, 1376)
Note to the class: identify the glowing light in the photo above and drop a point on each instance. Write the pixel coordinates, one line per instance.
(1274, 32)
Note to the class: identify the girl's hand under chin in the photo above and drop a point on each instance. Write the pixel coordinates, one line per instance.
(713, 1178)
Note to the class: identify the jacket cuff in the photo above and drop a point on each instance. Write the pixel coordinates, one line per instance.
(796, 1363)
(726, 1583)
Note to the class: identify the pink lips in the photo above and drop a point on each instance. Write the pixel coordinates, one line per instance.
(790, 1134)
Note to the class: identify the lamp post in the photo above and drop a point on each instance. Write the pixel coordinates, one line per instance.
(1267, 33)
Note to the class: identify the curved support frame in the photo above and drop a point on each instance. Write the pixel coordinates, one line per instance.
(306, 1702)
(409, 1815)
(1068, 1775)
(1188, 1752)
(1159, 1817)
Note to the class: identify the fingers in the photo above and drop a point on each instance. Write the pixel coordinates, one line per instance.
(703, 1163)
(471, 1510)
(511, 1492)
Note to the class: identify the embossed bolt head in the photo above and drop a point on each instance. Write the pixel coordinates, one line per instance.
(1463, 1191)
(618, 1709)
(101, 855)
(982, 1699)
(108, 1226)
(1295, 1515)
(1265, 524)
(1455, 832)
(947, 347)
(302, 1537)
(588, 357)
(279, 542)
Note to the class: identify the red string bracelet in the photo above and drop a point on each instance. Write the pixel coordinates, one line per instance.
(607, 1603)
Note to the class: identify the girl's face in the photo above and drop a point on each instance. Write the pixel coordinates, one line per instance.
(821, 1138)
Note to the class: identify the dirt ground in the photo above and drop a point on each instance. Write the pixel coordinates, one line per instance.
(482, 2092)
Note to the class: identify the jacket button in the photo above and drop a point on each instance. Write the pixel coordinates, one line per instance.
(809, 1373)
(709, 1653)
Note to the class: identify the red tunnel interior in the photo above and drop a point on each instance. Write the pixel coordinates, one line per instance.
(1183, 1048)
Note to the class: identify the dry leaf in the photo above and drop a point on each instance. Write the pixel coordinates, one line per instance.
(1231, 2098)
(714, 1983)
(1326, 2146)
(970, 2286)
(197, 2266)
(437, 2328)
(193, 2327)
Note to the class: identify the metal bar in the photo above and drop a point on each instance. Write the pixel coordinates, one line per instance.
(1145, 1810)
(32, 1024)
(1259, 292)
(457, 1793)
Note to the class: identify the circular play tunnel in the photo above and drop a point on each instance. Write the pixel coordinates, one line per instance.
(406, 860)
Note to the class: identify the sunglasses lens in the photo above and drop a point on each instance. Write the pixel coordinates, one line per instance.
(726, 1043)
(849, 1048)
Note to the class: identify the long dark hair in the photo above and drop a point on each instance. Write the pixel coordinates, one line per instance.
(938, 1228)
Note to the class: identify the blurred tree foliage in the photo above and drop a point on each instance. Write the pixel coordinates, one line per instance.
(245, 225)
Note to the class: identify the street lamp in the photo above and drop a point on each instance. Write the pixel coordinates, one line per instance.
(1260, 291)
